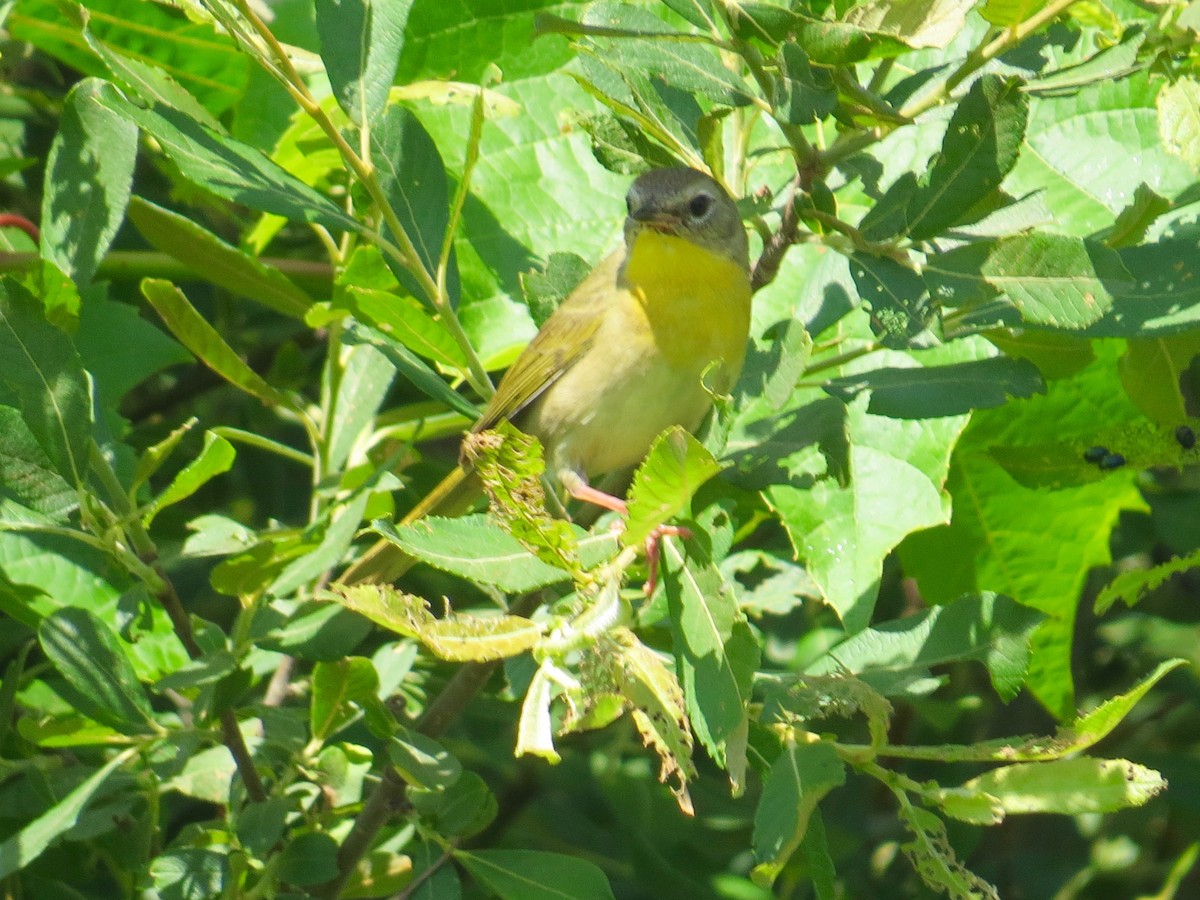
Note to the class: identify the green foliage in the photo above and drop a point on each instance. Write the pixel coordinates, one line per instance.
(887, 568)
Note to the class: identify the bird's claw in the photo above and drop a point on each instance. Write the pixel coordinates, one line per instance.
(654, 551)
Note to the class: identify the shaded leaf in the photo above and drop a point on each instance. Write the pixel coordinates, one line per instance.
(88, 175)
(361, 43)
(103, 682)
(535, 875)
(929, 392)
(40, 365)
(675, 467)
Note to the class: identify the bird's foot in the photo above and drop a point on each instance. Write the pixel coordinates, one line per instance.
(654, 551)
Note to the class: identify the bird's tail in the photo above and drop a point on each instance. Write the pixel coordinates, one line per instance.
(385, 562)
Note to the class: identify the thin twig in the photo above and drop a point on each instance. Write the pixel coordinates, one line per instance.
(766, 267)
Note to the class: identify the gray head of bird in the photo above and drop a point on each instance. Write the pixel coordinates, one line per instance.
(689, 204)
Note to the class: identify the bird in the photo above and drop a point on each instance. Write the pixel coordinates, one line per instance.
(638, 347)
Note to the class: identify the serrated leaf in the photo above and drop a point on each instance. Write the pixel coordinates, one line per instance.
(475, 548)
(1054, 281)
(1069, 786)
(458, 637)
(659, 708)
(1163, 296)
(535, 875)
(40, 364)
(361, 42)
(980, 148)
(799, 778)
(675, 468)
(929, 392)
(891, 657)
(684, 65)
(191, 329)
(1133, 585)
(997, 535)
(214, 459)
(901, 309)
(217, 261)
(88, 175)
(102, 681)
(1098, 723)
(715, 653)
(545, 290)
(510, 465)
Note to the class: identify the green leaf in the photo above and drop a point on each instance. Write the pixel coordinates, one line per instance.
(1133, 585)
(30, 841)
(337, 687)
(336, 530)
(1118, 61)
(164, 39)
(404, 319)
(102, 681)
(1151, 371)
(893, 656)
(310, 858)
(1117, 119)
(901, 309)
(545, 290)
(802, 94)
(843, 532)
(715, 652)
(191, 329)
(88, 174)
(410, 170)
(361, 42)
(1163, 296)
(659, 707)
(216, 261)
(1068, 786)
(918, 23)
(189, 873)
(421, 761)
(1010, 12)
(834, 43)
(674, 469)
(412, 368)
(215, 459)
(510, 465)
(535, 875)
(1179, 119)
(980, 148)
(1054, 281)
(1136, 218)
(458, 637)
(360, 382)
(41, 366)
(474, 548)
(683, 65)
(206, 776)
(1094, 726)
(228, 167)
(799, 778)
(463, 809)
(921, 393)
(998, 534)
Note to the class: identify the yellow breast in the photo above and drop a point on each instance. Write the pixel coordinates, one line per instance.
(695, 302)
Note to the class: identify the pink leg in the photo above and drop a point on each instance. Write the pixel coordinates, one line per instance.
(578, 488)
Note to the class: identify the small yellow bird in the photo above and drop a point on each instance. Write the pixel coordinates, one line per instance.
(626, 356)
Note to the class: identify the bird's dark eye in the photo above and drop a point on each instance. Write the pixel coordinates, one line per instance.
(700, 205)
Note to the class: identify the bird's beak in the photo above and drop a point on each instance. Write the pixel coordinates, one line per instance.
(656, 220)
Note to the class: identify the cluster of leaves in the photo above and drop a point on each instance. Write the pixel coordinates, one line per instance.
(975, 243)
